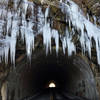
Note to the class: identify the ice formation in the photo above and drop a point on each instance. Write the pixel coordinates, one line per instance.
(14, 24)
(29, 37)
(47, 32)
(67, 43)
(81, 23)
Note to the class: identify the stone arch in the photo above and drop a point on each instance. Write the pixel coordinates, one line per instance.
(71, 74)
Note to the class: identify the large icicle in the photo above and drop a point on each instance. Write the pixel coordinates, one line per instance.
(29, 37)
(6, 51)
(14, 34)
(40, 20)
(12, 49)
(47, 36)
(25, 5)
(80, 22)
(55, 35)
(67, 43)
(47, 32)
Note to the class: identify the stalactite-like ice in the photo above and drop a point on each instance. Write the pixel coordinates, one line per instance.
(29, 37)
(47, 36)
(47, 32)
(27, 31)
(22, 21)
(81, 23)
(25, 5)
(41, 20)
(6, 51)
(55, 35)
(67, 43)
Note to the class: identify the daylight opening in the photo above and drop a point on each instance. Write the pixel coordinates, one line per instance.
(52, 85)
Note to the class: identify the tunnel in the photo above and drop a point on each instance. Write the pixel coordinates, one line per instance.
(71, 76)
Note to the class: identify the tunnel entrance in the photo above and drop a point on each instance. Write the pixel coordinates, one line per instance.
(51, 84)
(71, 75)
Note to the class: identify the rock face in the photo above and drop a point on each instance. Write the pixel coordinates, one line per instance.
(92, 7)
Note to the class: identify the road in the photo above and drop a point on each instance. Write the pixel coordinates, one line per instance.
(52, 94)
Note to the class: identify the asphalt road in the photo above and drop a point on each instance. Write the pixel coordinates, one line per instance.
(52, 94)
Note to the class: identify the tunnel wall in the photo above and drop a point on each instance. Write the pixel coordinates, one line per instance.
(72, 75)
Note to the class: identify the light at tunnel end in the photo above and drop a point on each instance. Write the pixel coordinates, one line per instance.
(52, 85)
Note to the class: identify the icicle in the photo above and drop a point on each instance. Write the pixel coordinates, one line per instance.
(6, 53)
(29, 37)
(71, 47)
(88, 47)
(46, 14)
(25, 5)
(41, 20)
(79, 20)
(14, 34)
(95, 20)
(60, 0)
(47, 36)
(98, 50)
(29, 44)
(67, 43)
(9, 21)
(70, 44)
(82, 41)
(1, 27)
(22, 28)
(55, 35)
(64, 44)
(88, 17)
(12, 49)
(1, 54)
(47, 32)
(9, 44)
(15, 4)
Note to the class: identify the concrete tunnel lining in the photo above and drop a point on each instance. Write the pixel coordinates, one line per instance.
(71, 74)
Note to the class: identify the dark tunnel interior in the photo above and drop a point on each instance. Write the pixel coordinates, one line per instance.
(70, 75)
(51, 68)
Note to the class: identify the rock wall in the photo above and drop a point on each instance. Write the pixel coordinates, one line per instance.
(92, 7)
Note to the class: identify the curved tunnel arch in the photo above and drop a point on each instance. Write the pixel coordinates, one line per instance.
(71, 75)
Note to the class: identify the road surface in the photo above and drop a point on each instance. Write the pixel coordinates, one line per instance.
(52, 94)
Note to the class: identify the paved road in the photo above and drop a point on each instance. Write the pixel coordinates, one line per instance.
(52, 94)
